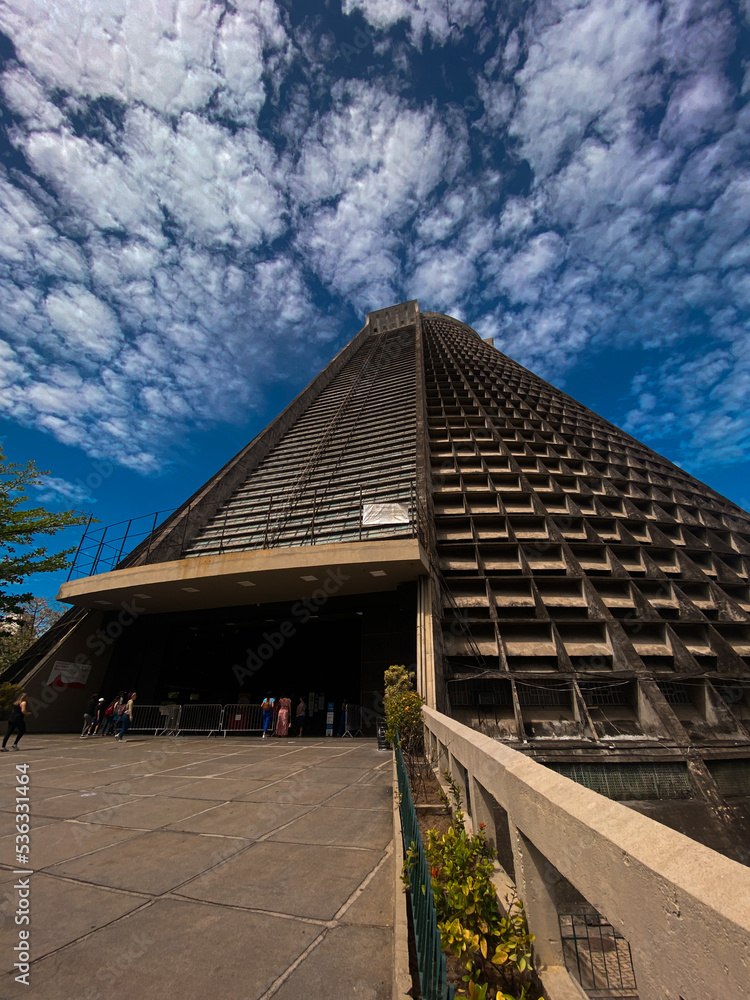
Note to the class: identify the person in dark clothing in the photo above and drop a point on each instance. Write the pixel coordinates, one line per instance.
(108, 722)
(299, 715)
(98, 718)
(17, 722)
(89, 715)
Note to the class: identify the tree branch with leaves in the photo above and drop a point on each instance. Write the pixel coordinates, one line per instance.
(20, 528)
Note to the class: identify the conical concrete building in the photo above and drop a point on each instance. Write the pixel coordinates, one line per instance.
(426, 500)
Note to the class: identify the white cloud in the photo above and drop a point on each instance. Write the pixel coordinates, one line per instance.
(166, 250)
(442, 19)
(520, 277)
(379, 162)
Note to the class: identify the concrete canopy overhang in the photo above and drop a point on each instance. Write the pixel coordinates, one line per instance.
(259, 576)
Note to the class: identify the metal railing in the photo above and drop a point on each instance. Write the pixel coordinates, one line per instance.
(242, 719)
(431, 962)
(174, 719)
(103, 548)
(598, 956)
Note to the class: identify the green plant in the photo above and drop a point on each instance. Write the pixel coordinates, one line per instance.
(403, 711)
(8, 694)
(20, 528)
(471, 924)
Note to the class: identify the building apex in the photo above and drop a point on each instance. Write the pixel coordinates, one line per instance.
(393, 317)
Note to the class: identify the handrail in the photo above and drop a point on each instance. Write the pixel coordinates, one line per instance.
(684, 908)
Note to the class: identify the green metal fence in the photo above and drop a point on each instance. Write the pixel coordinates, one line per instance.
(433, 978)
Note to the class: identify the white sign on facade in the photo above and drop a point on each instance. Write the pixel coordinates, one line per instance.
(385, 513)
(69, 675)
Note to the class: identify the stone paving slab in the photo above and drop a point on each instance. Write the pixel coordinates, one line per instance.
(363, 797)
(241, 819)
(300, 790)
(147, 812)
(74, 805)
(66, 839)
(343, 827)
(218, 789)
(153, 863)
(65, 911)
(299, 879)
(327, 971)
(173, 950)
(149, 784)
(234, 870)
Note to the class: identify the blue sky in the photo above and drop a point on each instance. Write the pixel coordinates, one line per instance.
(200, 201)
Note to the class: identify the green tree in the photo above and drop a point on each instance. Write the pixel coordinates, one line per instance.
(20, 631)
(20, 527)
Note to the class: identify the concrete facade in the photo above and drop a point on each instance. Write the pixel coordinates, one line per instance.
(577, 596)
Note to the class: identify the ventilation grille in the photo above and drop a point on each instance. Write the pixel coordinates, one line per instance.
(625, 782)
(732, 776)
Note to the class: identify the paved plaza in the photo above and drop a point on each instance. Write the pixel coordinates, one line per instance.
(230, 869)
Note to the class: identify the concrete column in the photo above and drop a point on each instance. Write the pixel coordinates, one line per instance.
(456, 769)
(535, 893)
(425, 645)
(483, 810)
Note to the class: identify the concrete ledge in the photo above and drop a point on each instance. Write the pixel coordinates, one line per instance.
(401, 973)
(684, 908)
(254, 577)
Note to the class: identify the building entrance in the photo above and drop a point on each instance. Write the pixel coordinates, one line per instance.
(336, 653)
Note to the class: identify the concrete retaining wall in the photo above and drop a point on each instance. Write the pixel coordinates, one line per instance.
(684, 908)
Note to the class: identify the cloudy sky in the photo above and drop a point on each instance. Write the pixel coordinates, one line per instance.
(199, 201)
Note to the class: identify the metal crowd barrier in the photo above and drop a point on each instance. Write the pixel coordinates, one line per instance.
(200, 718)
(172, 719)
(242, 719)
(155, 718)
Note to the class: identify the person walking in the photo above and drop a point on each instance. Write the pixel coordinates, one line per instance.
(108, 718)
(126, 717)
(299, 715)
(267, 710)
(17, 721)
(98, 718)
(88, 715)
(284, 716)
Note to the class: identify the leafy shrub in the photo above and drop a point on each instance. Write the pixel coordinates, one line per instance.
(8, 694)
(403, 711)
(471, 924)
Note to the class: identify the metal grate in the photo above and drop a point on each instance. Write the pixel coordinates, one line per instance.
(596, 695)
(624, 782)
(675, 693)
(732, 776)
(478, 692)
(598, 956)
(548, 695)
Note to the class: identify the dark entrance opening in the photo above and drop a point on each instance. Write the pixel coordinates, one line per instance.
(337, 652)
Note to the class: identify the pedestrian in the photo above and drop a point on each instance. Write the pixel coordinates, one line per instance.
(299, 715)
(17, 721)
(125, 717)
(284, 716)
(98, 718)
(108, 718)
(88, 715)
(267, 710)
